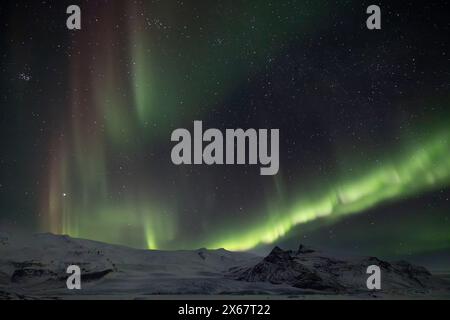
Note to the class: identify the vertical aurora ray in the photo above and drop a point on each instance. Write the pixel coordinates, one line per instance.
(142, 85)
(83, 199)
(114, 99)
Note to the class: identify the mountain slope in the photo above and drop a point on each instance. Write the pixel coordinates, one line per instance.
(35, 267)
(308, 269)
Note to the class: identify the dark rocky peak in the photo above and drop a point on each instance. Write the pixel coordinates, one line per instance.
(410, 269)
(278, 255)
(302, 249)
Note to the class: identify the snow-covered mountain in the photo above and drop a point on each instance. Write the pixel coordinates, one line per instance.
(308, 269)
(35, 267)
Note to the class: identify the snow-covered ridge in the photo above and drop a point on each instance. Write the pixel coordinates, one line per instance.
(308, 269)
(35, 267)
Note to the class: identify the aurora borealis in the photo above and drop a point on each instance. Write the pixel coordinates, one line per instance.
(364, 123)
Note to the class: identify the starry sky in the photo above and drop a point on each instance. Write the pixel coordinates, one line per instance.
(364, 119)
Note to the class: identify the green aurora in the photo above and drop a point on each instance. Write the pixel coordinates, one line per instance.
(124, 105)
(423, 169)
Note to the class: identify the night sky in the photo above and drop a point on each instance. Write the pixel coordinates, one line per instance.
(364, 119)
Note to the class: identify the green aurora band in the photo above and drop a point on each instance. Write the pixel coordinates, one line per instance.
(423, 169)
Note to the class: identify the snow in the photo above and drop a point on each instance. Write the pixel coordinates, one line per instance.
(35, 267)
